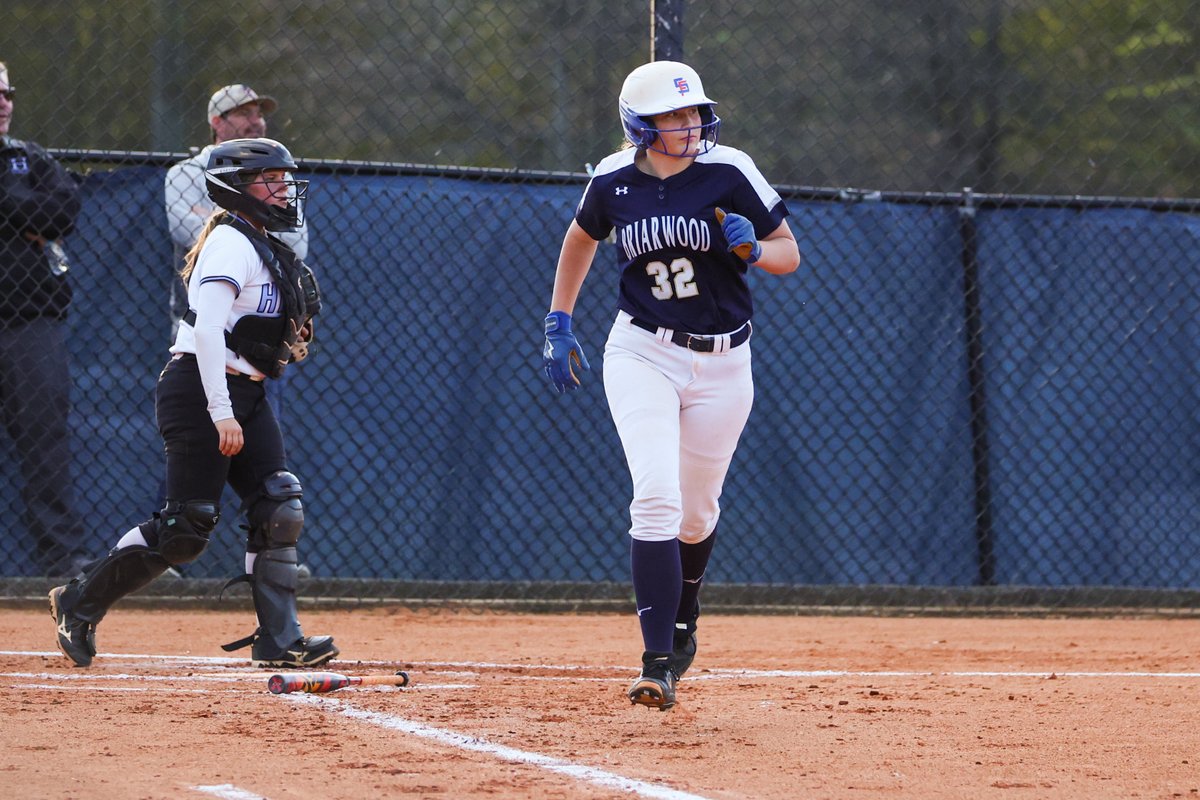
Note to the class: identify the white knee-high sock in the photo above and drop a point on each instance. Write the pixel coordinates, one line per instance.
(132, 536)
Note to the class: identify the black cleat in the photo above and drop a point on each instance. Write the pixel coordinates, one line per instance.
(76, 637)
(656, 685)
(310, 651)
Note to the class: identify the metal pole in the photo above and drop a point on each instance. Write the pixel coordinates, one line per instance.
(666, 30)
(986, 549)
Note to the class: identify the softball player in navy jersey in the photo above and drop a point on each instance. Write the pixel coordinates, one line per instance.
(251, 303)
(690, 217)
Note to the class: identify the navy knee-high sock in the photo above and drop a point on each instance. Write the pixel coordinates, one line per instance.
(694, 561)
(657, 579)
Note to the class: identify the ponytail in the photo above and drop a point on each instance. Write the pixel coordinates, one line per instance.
(189, 261)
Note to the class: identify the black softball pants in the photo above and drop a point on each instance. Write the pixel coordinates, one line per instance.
(196, 469)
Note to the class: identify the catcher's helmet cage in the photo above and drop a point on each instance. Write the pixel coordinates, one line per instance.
(659, 87)
(237, 162)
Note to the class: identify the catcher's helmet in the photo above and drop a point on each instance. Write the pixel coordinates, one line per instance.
(659, 87)
(237, 162)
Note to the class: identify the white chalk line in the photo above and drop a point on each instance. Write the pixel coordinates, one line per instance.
(100, 676)
(227, 791)
(840, 673)
(475, 667)
(469, 668)
(87, 682)
(599, 777)
(122, 689)
(234, 662)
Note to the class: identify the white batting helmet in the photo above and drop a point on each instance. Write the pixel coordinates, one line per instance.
(659, 87)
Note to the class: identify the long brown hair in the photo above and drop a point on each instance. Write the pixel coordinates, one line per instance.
(189, 261)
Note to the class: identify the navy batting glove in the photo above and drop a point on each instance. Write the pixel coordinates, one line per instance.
(561, 349)
(739, 234)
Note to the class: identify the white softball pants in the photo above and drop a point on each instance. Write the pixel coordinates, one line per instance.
(679, 414)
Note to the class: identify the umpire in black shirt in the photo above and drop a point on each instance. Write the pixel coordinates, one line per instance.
(39, 201)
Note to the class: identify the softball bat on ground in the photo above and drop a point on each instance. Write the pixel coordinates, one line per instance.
(321, 682)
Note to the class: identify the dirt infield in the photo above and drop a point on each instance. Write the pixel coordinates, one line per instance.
(522, 705)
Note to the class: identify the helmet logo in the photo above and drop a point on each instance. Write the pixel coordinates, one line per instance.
(682, 86)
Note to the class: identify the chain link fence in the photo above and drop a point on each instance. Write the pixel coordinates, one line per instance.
(978, 392)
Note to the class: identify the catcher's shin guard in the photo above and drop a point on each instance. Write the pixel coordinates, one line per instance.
(80, 605)
(104, 582)
(279, 640)
(274, 585)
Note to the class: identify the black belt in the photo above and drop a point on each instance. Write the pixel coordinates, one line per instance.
(695, 341)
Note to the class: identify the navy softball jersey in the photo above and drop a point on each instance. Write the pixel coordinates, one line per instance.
(675, 270)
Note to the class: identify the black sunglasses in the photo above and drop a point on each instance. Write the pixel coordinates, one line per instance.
(8, 93)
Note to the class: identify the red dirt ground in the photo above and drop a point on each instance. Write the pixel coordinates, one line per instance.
(526, 705)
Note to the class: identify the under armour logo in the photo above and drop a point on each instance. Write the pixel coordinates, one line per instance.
(19, 165)
(681, 85)
(622, 190)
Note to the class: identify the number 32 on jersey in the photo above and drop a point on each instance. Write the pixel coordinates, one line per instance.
(676, 280)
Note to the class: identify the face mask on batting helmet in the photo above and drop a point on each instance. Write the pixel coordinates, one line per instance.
(238, 162)
(659, 87)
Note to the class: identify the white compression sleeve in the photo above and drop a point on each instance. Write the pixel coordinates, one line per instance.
(212, 310)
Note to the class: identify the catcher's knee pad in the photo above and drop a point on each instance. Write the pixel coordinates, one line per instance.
(179, 533)
(276, 515)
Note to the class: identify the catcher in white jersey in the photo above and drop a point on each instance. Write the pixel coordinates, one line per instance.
(251, 307)
(691, 217)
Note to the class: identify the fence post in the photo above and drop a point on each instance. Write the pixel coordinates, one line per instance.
(975, 379)
(666, 30)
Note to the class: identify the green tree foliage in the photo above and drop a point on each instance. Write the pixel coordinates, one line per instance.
(1034, 96)
(1104, 95)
